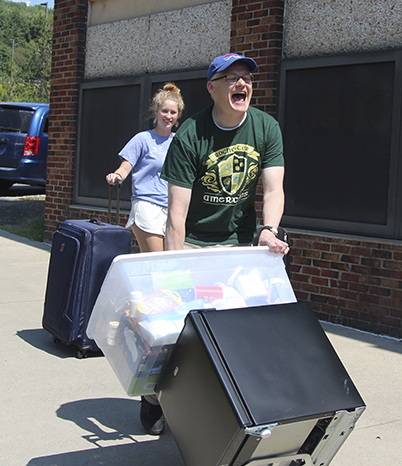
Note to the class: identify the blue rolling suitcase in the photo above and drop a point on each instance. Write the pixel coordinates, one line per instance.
(82, 251)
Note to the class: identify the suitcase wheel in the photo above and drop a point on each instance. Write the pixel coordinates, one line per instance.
(81, 354)
(56, 340)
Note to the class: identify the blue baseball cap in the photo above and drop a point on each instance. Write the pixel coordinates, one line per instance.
(224, 61)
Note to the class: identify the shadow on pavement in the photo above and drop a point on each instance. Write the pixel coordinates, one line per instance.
(41, 339)
(21, 239)
(23, 190)
(110, 422)
(146, 453)
(379, 341)
(105, 418)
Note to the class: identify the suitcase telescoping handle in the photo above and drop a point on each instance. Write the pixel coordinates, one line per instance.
(109, 209)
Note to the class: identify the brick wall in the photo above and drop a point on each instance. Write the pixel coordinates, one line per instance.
(355, 282)
(70, 19)
(257, 31)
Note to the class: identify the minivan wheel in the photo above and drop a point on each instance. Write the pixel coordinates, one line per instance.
(5, 184)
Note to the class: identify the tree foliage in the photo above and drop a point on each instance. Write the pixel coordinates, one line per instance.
(25, 52)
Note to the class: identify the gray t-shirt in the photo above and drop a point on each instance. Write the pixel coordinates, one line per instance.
(146, 152)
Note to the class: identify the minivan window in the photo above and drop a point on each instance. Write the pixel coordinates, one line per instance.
(15, 120)
(46, 126)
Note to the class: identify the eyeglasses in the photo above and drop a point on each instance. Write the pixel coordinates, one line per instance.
(233, 78)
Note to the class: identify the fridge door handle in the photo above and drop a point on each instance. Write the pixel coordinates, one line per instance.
(263, 431)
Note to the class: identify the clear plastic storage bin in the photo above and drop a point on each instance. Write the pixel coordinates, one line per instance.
(145, 298)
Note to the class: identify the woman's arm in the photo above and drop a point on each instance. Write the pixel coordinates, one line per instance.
(121, 173)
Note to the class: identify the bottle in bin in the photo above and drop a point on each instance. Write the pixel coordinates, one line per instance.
(111, 334)
(279, 291)
(135, 299)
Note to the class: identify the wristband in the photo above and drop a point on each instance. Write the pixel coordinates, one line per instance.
(271, 229)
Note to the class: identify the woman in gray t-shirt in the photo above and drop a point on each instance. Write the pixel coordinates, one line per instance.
(143, 156)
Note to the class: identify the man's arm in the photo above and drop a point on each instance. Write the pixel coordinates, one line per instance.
(179, 201)
(272, 210)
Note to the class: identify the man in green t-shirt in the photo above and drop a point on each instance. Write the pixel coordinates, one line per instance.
(213, 165)
(212, 169)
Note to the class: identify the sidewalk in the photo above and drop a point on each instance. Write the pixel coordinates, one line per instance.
(60, 410)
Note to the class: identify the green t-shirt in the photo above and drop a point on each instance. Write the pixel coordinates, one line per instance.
(222, 167)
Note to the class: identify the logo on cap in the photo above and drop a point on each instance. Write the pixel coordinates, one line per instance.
(230, 55)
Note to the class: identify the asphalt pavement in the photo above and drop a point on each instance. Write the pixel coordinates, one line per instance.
(58, 410)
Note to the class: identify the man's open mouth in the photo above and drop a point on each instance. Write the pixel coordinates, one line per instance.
(239, 97)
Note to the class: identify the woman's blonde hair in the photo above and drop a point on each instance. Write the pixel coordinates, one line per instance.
(169, 92)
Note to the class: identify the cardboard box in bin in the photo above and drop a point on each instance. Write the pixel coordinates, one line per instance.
(144, 300)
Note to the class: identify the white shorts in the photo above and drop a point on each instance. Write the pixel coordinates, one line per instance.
(148, 217)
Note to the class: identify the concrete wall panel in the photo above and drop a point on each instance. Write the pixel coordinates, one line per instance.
(181, 39)
(106, 11)
(321, 27)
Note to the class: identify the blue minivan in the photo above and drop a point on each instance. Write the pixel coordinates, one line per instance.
(23, 143)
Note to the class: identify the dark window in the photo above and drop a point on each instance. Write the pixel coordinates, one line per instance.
(46, 126)
(194, 91)
(111, 113)
(341, 124)
(15, 120)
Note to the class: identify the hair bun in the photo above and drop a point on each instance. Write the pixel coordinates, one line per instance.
(171, 87)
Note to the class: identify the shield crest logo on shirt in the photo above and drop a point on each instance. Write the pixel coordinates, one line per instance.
(232, 173)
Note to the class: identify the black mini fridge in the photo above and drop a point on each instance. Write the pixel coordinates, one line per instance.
(258, 386)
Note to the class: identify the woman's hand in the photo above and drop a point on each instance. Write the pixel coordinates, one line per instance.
(112, 178)
(120, 174)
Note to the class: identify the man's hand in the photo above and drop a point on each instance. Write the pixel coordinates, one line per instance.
(267, 238)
